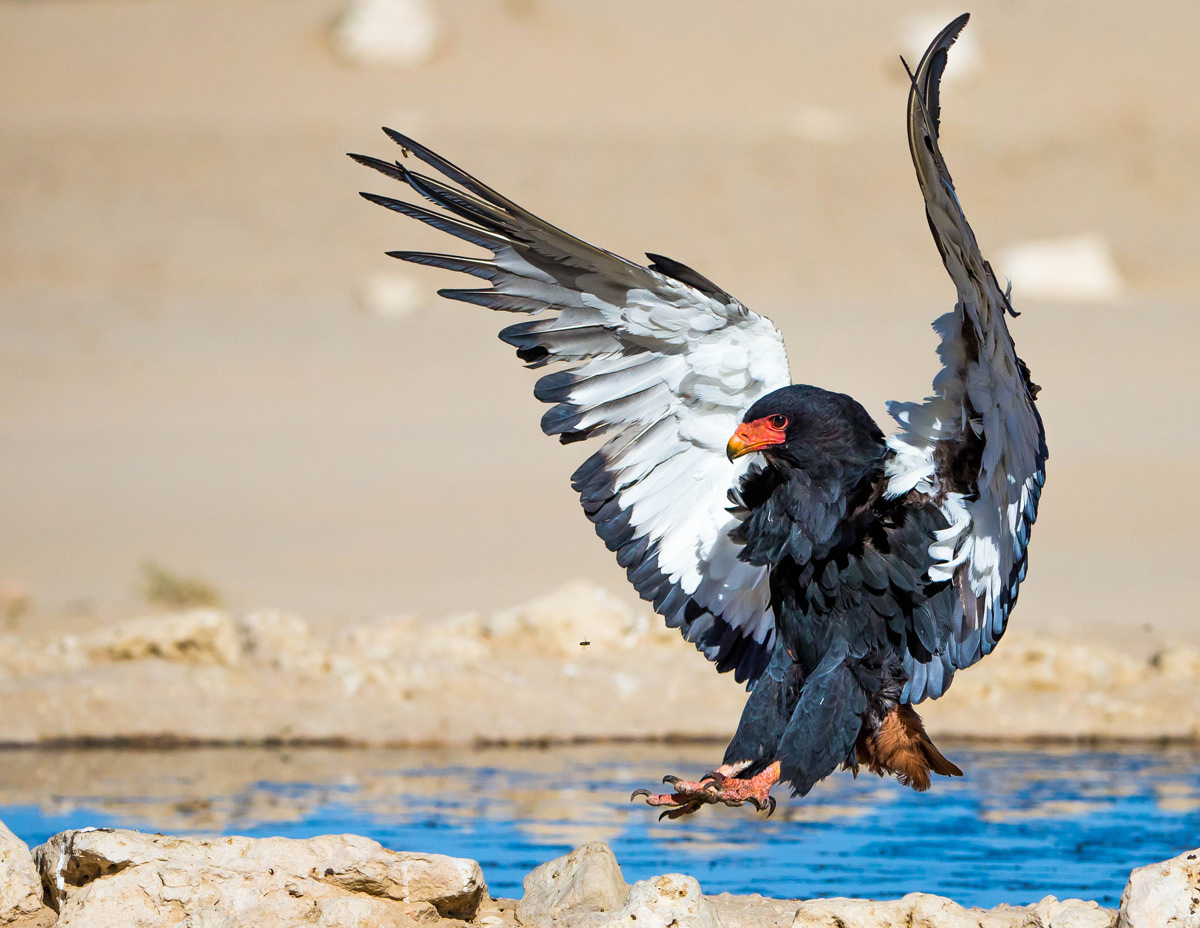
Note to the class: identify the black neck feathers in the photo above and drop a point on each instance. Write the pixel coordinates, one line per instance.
(789, 512)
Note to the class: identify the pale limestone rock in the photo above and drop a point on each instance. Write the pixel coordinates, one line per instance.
(59, 657)
(863, 913)
(392, 296)
(1163, 895)
(387, 32)
(1180, 663)
(399, 652)
(916, 910)
(586, 880)
(364, 912)
(201, 636)
(282, 641)
(1078, 268)
(1075, 666)
(132, 898)
(147, 877)
(937, 912)
(557, 622)
(669, 901)
(496, 913)
(1073, 913)
(453, 885)
(161, 895)
(20, 887)
(207, 918)
(920, 910)
(820, 125)
(753, 911)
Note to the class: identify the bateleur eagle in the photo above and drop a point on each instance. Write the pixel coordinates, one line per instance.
(843, 576)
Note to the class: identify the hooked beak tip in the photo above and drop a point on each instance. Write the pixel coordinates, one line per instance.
(753, 436)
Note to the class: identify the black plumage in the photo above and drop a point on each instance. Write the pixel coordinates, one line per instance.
(849, 585)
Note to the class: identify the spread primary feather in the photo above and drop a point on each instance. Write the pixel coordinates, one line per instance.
(844, 579)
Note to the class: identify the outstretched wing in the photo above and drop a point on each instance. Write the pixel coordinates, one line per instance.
(976, 447)
(660, 361)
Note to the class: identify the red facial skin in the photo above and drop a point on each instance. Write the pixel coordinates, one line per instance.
(755, 436)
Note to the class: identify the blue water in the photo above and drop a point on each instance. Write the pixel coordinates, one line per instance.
(1020, 825)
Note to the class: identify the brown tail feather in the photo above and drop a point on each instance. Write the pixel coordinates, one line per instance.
(900, 746)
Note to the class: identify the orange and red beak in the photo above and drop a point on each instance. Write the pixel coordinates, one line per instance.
(754, 436)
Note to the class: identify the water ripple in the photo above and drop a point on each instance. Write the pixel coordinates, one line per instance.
(1020, 825)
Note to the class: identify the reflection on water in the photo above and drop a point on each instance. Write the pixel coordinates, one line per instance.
(1022, 823)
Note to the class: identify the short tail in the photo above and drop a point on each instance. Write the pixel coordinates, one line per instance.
(900, 745)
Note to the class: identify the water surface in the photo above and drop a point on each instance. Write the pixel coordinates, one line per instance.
(1020, 825)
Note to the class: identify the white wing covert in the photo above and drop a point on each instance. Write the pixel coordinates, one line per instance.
(660, 361)
(976, 446)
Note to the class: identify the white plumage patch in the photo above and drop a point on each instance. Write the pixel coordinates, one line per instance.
(664, 367)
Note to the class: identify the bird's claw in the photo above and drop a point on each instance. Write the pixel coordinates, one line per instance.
(713, 788)
(759, 804)
(679, 811)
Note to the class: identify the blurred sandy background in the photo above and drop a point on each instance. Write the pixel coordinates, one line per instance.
(207, 362)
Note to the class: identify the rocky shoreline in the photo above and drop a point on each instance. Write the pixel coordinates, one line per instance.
(267, 677)
(102, 878)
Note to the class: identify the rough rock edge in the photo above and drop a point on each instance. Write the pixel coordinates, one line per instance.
(21, 904)
(1163, 895)
(353, 881)
(588, 879)
(73, 865)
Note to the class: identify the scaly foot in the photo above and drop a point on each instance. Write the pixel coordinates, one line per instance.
(720, 786)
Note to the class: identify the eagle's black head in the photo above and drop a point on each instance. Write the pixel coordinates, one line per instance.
(809, 428)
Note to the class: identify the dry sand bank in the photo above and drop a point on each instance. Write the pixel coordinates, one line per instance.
(518, 675)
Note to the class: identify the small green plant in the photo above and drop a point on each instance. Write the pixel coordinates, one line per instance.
(162, 587)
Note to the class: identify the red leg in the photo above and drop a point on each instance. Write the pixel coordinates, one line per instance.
(720, 786)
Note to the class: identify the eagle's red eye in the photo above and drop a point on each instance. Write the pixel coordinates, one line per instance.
(778, 422)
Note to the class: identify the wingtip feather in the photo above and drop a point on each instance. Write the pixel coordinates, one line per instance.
(400, 138)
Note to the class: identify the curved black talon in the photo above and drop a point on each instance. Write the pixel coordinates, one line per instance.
(670, 780)
(639, 792)
(712, 786)
(758, 806)
(679, 811)
(771, 806)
